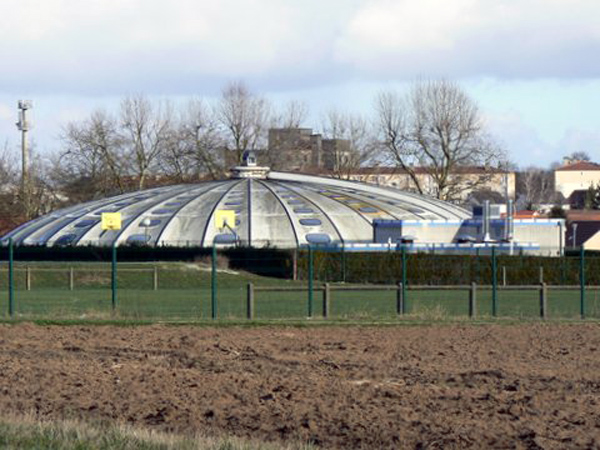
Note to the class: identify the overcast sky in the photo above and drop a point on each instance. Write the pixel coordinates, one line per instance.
(533, 66)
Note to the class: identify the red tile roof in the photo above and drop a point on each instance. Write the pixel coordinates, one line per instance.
(583, 215)
(383, 170)
(579, 166)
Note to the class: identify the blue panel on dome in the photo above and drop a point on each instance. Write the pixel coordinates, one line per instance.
(225, 239)
(163, 211)
(233, 203)
(304, 210)
(368, 209)
(86, 223)
(310, 222)
(318, 238)
(151, 223)
(173, 203)
(67, 239)
(415, 210)
(138, 239)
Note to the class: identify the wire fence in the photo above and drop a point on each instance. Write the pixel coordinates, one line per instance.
(304, 283)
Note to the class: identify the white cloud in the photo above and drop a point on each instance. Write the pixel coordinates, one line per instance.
(524, 38)
(101, 47)
(6, 113)
(575, 140)
(75, 44)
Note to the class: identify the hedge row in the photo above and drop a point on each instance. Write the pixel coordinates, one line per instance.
(429, 269)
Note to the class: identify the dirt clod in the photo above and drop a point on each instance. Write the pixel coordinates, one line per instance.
(512, 386)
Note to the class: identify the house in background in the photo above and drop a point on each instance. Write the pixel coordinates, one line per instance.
(469, 179)
(576, 176)
(583, 229)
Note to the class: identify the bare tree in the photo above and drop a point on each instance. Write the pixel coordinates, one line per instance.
(8, 168)
(355, 144)
(244, 117)
(579, 156)
(93, 155)
(535, 186)
(195, 148)
(145, 131)
(293, 115)
(9, 191)
(40, 198)
(432, 132)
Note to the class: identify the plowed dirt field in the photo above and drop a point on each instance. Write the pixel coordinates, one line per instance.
(450, 386)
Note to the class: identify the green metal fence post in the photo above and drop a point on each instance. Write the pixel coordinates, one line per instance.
(582, 282)
(310, 281)
(404, 299)
(477, 267)
(11, 279)
(213, 284)
(494, 284)
(473, 300)
(343, 255)
(543, 301)
(399, 300)
(113, 279)
(250, 302)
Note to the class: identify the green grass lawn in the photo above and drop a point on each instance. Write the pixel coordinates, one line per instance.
(184, 293)
(28, 433)
(195, 304)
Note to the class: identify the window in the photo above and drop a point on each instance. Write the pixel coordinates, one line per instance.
(368, 209)
(225, 239)
(310, 222)
(67, 239)
(318, 238)
(304, 210)
(150, 223)
(136, 239)
(86, 223)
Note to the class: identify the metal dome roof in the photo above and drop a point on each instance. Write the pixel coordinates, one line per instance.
(272, 209)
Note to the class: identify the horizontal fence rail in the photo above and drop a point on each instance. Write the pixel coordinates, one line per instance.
(304, 283)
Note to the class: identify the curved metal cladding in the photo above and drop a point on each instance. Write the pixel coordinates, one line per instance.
(281, 210)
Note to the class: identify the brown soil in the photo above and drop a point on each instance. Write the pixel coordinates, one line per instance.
(459, 386)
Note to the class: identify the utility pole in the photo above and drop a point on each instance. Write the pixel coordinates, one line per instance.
(24, 126)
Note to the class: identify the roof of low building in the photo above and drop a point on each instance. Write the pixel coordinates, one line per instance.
(464, 170)
(583, 215)
(579, 166)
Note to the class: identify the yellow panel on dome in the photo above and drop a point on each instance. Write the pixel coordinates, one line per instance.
(111, 221)
(225, 218)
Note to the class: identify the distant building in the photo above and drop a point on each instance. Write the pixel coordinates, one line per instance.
(576, 176)
(470, 179)
(299, 149)
(583, 229)
(302, 150)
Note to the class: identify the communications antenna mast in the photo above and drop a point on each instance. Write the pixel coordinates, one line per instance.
(24, 126)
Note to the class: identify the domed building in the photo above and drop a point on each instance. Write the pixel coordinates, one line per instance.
(276, 209)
